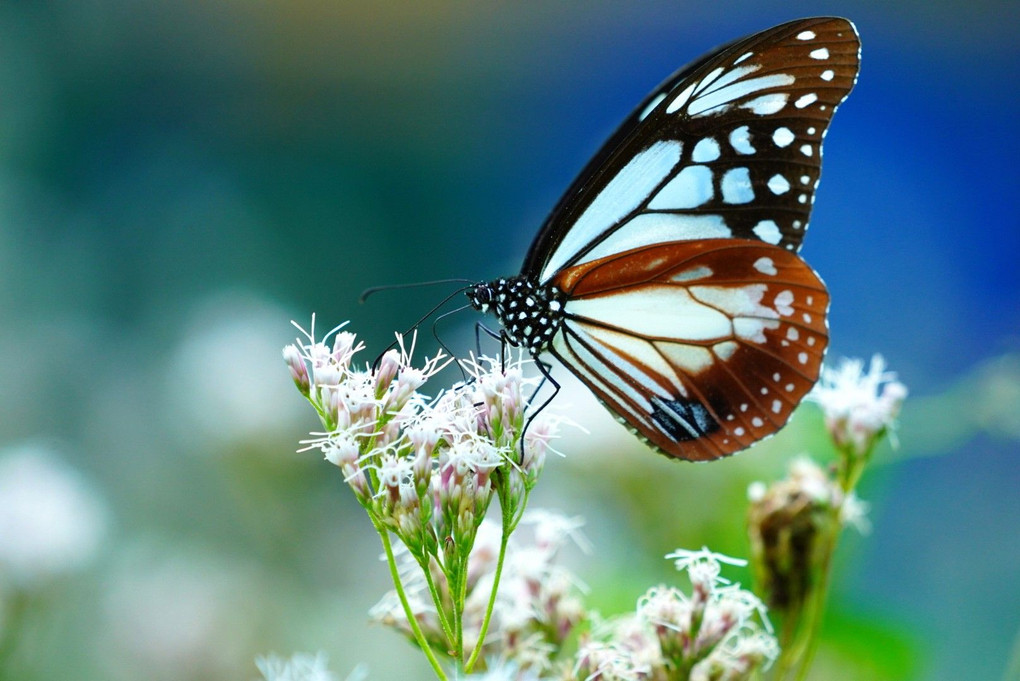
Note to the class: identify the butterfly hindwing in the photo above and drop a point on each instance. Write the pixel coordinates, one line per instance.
(702, 347)
(729, 147)
(667, 278)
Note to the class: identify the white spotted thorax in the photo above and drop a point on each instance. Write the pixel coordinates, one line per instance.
(667, 278)
(530, 313)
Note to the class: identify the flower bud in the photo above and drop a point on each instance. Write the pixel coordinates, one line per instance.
(298, 369)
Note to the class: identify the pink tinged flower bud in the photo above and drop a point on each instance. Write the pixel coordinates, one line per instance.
(387, 371)
(344, 348)
(422, 469)
(298, 368)
(336, 409)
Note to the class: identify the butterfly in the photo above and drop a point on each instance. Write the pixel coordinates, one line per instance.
(667, 277)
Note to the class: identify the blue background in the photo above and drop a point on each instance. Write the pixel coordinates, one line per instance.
(180, 179)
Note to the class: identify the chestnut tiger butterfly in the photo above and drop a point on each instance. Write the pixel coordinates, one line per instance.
(667, 278)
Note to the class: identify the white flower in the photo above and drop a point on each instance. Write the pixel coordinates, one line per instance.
(859, 406)
(300, 667)
(703, 562)
(51, 520)
(221, 385)
(854, 513)
(552, 529)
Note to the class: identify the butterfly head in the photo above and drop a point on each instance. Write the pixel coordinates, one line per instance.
(481, 296)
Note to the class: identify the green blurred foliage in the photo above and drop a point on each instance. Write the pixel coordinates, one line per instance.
(179, 179)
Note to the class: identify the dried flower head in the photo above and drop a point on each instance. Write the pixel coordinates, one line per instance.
(786, 520)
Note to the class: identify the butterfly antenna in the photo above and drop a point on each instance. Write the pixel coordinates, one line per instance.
(428, 314)
(396, 287)
(435, 334)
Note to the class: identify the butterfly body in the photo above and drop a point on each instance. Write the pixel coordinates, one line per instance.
(667, 277)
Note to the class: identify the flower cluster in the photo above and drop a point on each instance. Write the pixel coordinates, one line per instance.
(859, 406)
(718, 631)
(536, 608)
(425, 469)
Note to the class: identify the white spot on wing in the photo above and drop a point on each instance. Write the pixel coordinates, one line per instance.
(724, 350)
(692, 274)
(681, 99)
(778, 184)
(805, 100)
(784, 303)
(651, 106)
(828, 74)
(768, 231)
(736, 186)
(820, 53)
(740, 140)
(767, 104)
(782, 137)
(705, 151)
(742, 57)
(765, 265)
(743, 304)
(806, 35)
(691, 188)
(724, 96)
(691, 358)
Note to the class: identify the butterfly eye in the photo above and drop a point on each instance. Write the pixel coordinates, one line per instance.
(480, 297)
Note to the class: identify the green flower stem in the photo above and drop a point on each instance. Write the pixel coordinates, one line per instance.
(807, 645)
(492, 598)
(808, 620)
(437, 599)
(398, 585)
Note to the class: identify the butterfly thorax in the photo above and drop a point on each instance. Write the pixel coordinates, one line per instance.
(529, 312)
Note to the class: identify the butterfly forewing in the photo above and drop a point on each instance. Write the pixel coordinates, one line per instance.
(728, 148)
(667, 277)
(702, 347)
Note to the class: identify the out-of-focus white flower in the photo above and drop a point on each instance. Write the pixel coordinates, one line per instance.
(854, 513)
(51, 520)
(502, 670)
(553, 529)
(299, 667)
(859, 405)
(166, 609)
(223, 382)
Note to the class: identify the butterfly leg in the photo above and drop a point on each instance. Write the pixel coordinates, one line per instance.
(546, 370)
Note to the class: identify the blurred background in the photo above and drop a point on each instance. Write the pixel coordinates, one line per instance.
(179, 180)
